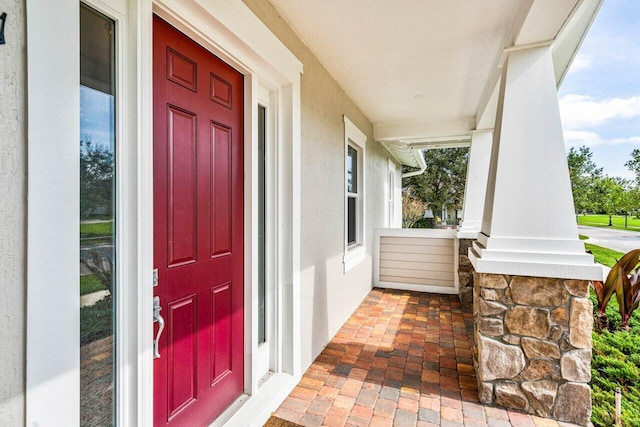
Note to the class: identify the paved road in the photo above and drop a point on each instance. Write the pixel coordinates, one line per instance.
(619, 240)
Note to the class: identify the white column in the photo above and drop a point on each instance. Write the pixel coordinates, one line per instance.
(528, 225)
(476, 186)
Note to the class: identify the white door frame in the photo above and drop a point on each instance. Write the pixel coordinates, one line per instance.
(392, 192)
(232, 32)
(266, 354)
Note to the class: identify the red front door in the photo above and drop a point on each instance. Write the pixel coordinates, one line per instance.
(198, 229)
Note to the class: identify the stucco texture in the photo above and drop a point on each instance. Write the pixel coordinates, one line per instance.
(328, 295)
(12, 214)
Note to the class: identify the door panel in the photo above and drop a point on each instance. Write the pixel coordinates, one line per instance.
(221, 225)
(221, 332)
(181, 192)
(198, 230)
(182, 353)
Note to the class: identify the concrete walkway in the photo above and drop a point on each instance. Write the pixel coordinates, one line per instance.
(619, 240)
(402, 359)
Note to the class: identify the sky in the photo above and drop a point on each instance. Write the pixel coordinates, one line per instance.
(600, 96)
(97, 117)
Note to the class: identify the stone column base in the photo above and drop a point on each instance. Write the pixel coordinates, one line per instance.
(533, 343)
(465, 271)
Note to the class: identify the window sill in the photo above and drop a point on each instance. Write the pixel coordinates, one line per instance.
(354, 256)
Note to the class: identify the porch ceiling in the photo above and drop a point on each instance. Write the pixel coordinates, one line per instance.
(423, 69)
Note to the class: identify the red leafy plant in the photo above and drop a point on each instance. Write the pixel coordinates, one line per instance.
(624, 281)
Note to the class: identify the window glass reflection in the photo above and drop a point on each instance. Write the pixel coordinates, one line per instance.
(352, 170)
(97, 218)
(262, 190)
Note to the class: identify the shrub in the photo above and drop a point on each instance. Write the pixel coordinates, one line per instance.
(625, 283)
(96, 321)
(412, 210)
(616, 363)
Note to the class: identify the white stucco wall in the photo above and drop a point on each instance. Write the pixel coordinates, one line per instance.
(12, 214)
(328, 295)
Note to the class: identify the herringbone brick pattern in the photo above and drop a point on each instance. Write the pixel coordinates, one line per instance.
(402, 359)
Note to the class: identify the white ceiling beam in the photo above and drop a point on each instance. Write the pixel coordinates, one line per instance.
(421, 130)
(567, 35)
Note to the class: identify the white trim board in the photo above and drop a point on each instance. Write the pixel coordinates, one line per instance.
(53, 303)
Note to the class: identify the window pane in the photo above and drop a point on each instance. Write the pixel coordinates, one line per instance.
(262, 188)
(352, 170)
(351, 220)
(96, 51)
(97, 216)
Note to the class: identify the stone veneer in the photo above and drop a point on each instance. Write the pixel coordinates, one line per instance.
(533, 345)
(465, 271)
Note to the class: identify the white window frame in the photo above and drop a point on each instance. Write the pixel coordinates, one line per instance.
(354, 254)
(53, 364)
(266, 353)
(391, 192)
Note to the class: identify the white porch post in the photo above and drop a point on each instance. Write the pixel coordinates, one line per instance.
(531, 284)
(529, 227)
(476, 185)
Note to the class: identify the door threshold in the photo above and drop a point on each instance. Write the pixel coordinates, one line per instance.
(255, 410)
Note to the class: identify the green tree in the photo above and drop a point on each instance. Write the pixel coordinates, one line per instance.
(634, 164)
(458, 180)
(634, 200)
(96, 177)
(443, 181)
(634, 194)
(585, 175)
(612, 196)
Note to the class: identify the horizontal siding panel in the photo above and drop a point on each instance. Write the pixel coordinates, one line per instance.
(417, 249)
(415, 281)
(396, 256)
(398, 272)
(420, 266)
(417, 241)
(412, 261)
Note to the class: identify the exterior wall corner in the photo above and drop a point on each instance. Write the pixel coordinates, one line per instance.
(13, 211)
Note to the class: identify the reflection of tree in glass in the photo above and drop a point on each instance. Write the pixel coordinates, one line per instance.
(100, 266)
(96, 178)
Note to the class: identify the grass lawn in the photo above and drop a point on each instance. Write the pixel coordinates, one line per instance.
(633, 223)
(602, 255)
(96, 229)
(89, 283)
(616, 363)
(616, 359)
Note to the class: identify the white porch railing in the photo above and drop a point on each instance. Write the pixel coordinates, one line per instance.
(423, 260)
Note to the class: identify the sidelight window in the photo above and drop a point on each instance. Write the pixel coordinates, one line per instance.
(97, 217)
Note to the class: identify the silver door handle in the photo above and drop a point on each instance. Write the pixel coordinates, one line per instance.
(157, 317)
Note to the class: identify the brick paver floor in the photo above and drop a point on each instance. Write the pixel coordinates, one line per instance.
(402, 359)
(96, 383)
